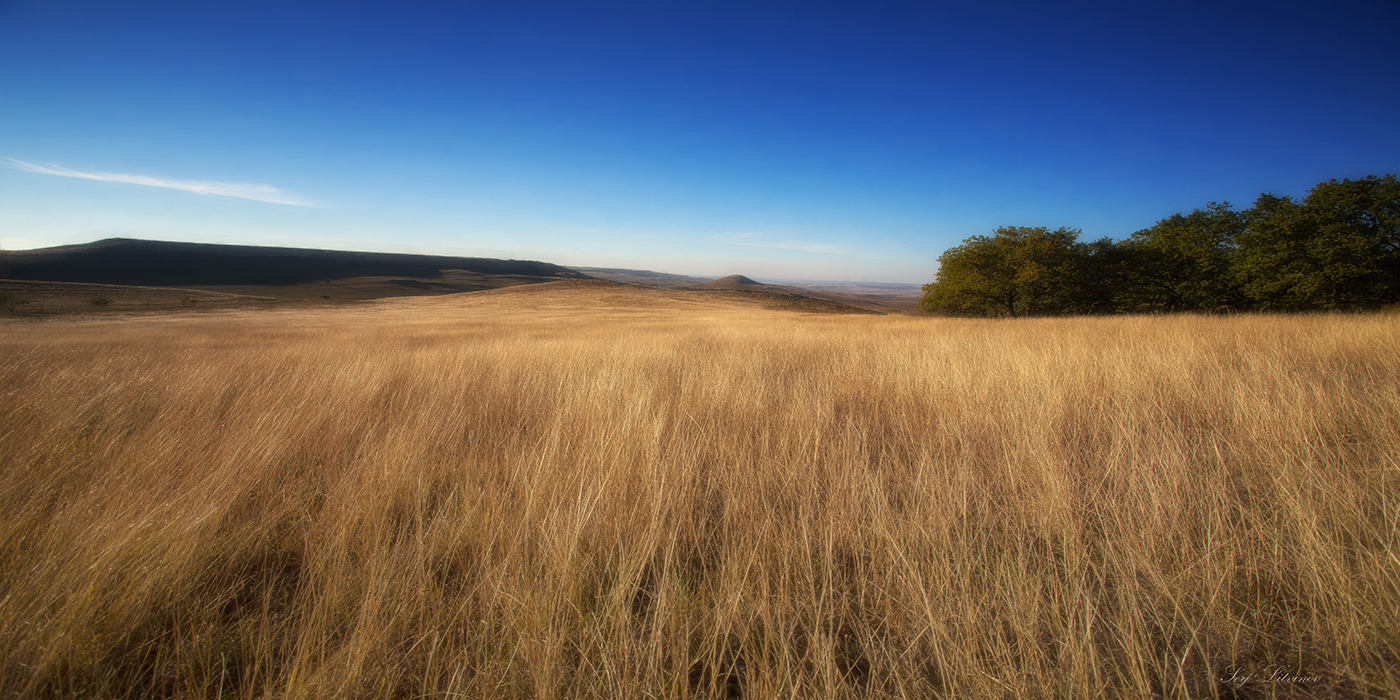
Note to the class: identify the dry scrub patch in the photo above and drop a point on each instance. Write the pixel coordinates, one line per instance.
(677, 498)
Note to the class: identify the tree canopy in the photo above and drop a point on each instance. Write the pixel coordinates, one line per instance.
(1183, 262)
(1016, 271)
(1338, 248)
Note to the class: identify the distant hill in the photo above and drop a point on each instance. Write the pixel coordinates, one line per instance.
(886, 297)
(731, 282)
(646, 277)
(872, 302)
(163, 264)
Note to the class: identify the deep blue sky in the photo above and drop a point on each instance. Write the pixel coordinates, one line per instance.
(815, 140)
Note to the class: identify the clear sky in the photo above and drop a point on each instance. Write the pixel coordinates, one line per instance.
(820, 140)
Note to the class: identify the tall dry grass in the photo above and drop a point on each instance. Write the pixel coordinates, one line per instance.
(435, 500)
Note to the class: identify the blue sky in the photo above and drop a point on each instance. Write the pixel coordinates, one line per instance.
(850, 140)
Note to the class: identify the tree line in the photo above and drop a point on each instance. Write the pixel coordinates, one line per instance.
(1336, 249)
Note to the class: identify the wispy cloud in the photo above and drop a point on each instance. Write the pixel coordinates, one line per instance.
(238, 190)
(755, 240)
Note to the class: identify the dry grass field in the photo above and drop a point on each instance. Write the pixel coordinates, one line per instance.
(576, 490)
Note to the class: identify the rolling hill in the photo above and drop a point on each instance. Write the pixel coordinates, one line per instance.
(164, 264)
(649, 278)
(284, 273)
(79, 277)
(875, 296)
(883, 303)
(731, 282)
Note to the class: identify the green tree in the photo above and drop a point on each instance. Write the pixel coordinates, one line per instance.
(1273, 266)
(1337, 249)
(1184, 262)
(1107, 273)
(1017, 271)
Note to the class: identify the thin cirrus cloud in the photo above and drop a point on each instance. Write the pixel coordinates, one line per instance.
(237, 190)
(755, 240)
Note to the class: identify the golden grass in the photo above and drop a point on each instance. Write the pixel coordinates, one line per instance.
(566, 494)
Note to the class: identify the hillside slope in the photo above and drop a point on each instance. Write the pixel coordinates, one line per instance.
(869, 302)
(164, 264)
(650, 278)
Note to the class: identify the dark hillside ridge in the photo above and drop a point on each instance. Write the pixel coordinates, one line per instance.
(163, 264)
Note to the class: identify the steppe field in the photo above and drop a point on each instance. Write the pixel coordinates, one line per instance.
(590, 490)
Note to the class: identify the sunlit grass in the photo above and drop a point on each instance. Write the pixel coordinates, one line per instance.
(555, 499)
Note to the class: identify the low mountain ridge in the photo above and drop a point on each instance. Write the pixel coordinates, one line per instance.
(128, 261)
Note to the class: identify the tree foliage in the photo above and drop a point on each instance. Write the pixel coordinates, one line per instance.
(1016, 271)
(1183, 262)
(1338, 248)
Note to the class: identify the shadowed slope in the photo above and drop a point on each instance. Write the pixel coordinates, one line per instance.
(164, 264)
(27, 299)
